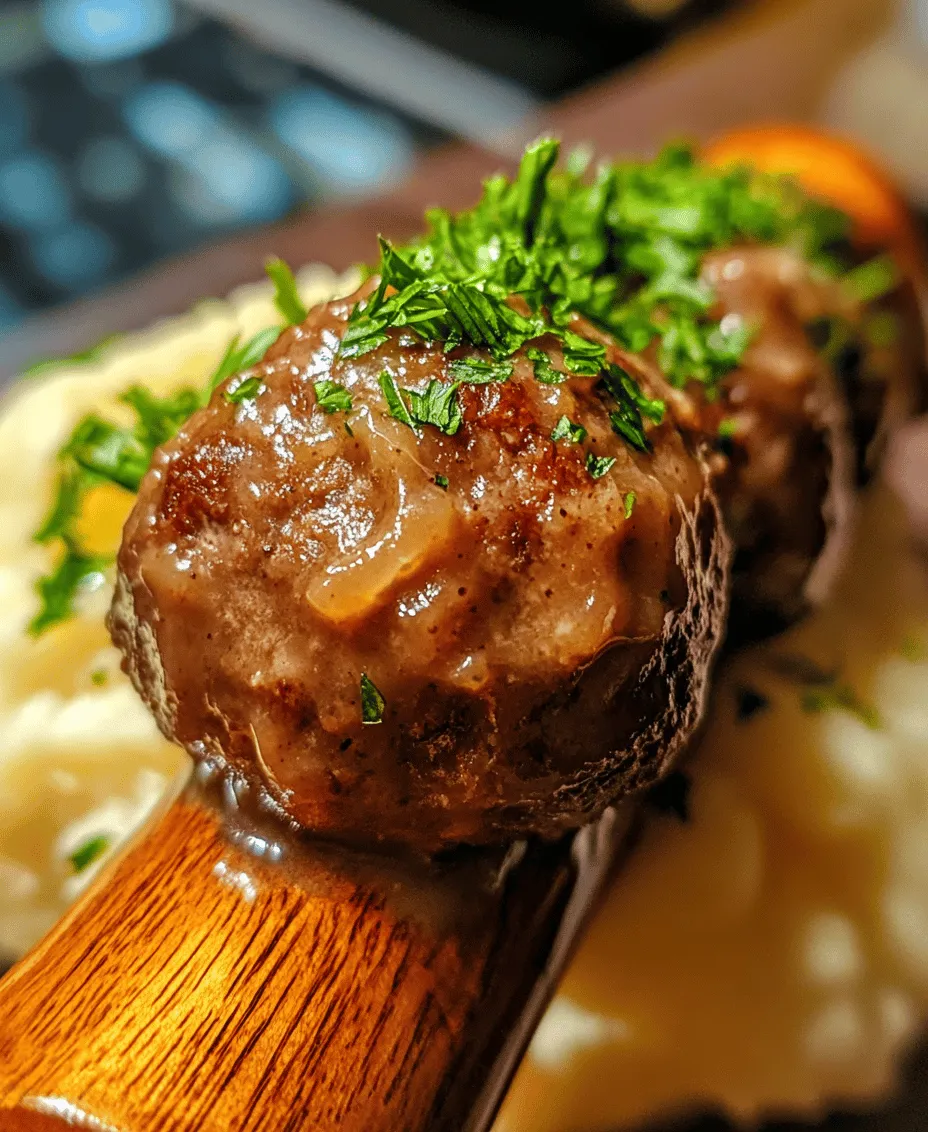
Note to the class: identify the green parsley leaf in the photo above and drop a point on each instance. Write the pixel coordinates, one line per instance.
(821, 687)
(442, 481)
(728, 428)
(109, 452)
(73, 484)
(286, 295)
(238, 358)
(99, 677)
(837, 696)
(597, 466)
(543, 369)
(630, 501)
(159, 418)
(622, 247)
(873, 279)
(525, 196)
(122, 455)
(565, 429)
(246, 390)
(58, 591)
(472, 371)
(92, 850)
(99, 452)
(394, 398)
(437, 406)
(332, 397)
(581, 356)
(372, 702)
(435, 310)
(627, 420)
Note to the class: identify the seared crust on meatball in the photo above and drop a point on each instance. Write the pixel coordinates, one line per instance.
(542, 639)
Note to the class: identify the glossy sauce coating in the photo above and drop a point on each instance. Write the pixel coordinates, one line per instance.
(539, 652)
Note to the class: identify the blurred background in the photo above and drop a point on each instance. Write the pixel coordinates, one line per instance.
(135, 130)
(131, 130)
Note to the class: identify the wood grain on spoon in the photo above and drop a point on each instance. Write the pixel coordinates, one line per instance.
(202, 986)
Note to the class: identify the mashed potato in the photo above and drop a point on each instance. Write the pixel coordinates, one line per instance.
(767, 954)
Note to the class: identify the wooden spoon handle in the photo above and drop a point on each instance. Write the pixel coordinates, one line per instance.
(205, 983)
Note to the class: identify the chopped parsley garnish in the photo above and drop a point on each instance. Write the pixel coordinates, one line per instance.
(842, 697)
(597, 466)
(394, 399)
(241, 357)
(629, 503)
(332, 397)
(543, 369)
(246, 390)
(101, 452)
(472, 371)
(627, 421)
(822, 688)
(873, 279)
(59, 590)
(442, 481)
(286, 295)
(99, 677)
(566, 430)
(749, 702)
(84, 856)
(622, 248)
(122, 455)
(436, 405)
(582, 357)
(372, 702)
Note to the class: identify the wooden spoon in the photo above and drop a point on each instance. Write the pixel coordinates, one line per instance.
(223, 975)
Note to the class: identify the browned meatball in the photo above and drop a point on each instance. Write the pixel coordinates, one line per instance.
(787, 491)
(803, 418)
(541, 638)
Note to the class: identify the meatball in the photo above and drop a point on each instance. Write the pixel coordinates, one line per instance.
(803, 419)
(782, 419)
(423, 636)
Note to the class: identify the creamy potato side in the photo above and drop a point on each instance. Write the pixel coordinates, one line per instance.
(769, 954)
